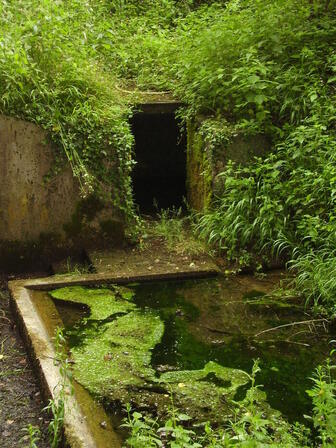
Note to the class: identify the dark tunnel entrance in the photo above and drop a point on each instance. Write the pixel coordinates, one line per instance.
(159, 177)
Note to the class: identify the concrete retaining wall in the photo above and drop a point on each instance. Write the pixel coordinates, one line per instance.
(205, 163)
(29, 205)
(34, 210)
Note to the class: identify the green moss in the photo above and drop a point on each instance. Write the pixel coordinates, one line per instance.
(86, 211)
(208, 391)
(199, 173)
(109, 363)
(103, 303)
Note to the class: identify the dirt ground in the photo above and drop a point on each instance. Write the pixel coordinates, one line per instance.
(155, 258)
(20, 401)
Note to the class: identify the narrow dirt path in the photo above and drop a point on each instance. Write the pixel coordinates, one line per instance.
(20, 401)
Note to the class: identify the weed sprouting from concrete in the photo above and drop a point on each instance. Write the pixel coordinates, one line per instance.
(56, 405)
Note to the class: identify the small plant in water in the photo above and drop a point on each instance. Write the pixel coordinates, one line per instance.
(143, 430)
(146, 432)
(323, 395)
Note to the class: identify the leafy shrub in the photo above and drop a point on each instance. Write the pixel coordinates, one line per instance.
(50, 74)
(250, 427)
(280, 79)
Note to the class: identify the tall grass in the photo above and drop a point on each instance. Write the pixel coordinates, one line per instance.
(284, 85)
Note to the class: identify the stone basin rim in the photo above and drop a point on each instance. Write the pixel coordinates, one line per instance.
(60, 281)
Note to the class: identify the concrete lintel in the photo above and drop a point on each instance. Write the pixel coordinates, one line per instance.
(158, 107)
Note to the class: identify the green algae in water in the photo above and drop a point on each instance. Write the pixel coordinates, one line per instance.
(112, 359)
(231, 378)
(259, 298)
(120, 356)
(200, 342)
(223, 331)
(103, 303)
(210, 389)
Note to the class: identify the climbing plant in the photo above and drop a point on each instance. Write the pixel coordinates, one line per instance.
(50, 74)
(246, 66)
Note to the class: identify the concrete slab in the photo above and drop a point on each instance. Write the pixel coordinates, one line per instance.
(121, 262)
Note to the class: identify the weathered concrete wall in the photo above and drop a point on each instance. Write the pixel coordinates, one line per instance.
(36, 212)
(199, 171)
(30, 206)
(204, 162)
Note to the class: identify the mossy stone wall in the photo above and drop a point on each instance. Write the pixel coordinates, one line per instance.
(205, 161)
(199, 171)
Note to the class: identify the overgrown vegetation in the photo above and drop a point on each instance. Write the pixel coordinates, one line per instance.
(248, 67)
(279, 79)
(51, 74)
(61, 63)
(176, 229)
(248, 427)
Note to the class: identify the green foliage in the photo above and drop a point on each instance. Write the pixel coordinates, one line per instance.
(33, 434)
(280, 79)
(50, 74)
(56, 408)
(245, 66)
(142, 431)
(61, 64)
(56, 404)
(316, 279)
(249, 428)
(323, 395)
(176, 230)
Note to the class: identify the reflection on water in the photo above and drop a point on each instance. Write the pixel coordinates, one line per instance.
(224, 320)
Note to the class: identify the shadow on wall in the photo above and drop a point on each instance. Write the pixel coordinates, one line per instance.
(159, 177)
(41, 220)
